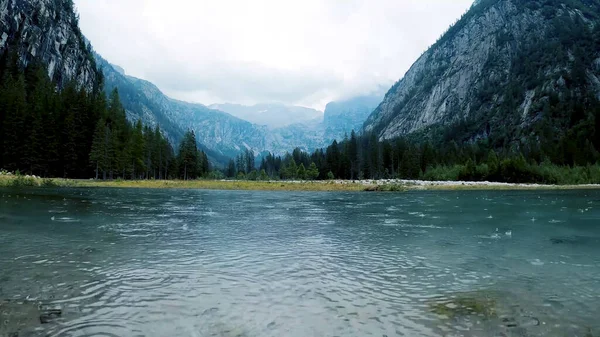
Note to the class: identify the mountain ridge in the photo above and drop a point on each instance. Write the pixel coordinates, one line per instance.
(273, 115)
(221, 134)
(494, 74)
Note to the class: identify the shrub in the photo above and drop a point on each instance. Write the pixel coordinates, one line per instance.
(443, 173)
(22, 181)
(47, 182)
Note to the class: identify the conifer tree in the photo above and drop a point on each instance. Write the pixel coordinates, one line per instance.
(14, 126)
(301, 172)
(313, 171)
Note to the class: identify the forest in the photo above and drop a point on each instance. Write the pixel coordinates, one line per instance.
(68, 132)
(365, 157)
(75, 134)
(72, 133)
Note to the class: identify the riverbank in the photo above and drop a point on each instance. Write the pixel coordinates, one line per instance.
(29, 181)
(392, 185)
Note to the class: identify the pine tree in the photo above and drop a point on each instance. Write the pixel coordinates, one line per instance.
(427, 156)
(231, 169)
(313, 171)
(291, 171)
(353, 155)
(14, 126)
(158, 152)
(97, 154)
(241, 164)
(493, 164)
(188, 156)
(205, 163)
(138, 166)
(302, 172)
(333, 158)
(249, 160)
(39, 91)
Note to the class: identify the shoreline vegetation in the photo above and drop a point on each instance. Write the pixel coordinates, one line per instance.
(391, 185)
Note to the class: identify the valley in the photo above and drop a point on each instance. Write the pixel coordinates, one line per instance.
(509, 93)
(248, 169)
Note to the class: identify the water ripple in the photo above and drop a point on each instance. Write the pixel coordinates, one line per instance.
(194, 263)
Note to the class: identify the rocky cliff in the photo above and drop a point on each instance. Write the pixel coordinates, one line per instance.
(499, 73)
(47, 31)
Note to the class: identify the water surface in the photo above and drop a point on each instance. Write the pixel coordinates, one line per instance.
(124, 262)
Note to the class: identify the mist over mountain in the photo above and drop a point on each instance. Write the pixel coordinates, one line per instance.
(223, 135)
(274, 115)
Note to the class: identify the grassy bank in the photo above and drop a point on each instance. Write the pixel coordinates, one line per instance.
(13, 181)
(333, 185)
(229, 185)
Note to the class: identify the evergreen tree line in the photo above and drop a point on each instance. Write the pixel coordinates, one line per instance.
(296, 165)
(365, 157)
(72, 133)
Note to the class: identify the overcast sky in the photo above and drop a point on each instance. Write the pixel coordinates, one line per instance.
(303, 52)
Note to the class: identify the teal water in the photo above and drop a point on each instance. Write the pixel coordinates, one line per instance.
(214, 263)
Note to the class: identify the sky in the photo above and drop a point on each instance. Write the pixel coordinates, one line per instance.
(297, 52)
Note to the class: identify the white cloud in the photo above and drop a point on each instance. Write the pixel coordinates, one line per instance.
(304, 52)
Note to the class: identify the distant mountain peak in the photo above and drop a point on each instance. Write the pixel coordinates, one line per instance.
(274, 115)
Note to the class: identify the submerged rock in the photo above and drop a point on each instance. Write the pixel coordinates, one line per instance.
(573, 240)
(20, 317)
(523, 321)
(17, 316)
(466, 304)
(50, 315)
(89, 250)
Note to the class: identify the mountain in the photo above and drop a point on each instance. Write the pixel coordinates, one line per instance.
(513, 73)
(273, 115)
(55, 120)
(338, 120)
(224, 136)
(343, 116)
(220, 134)
(47, 31)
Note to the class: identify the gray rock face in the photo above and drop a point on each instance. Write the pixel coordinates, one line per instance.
(479, 57)
(47, 30)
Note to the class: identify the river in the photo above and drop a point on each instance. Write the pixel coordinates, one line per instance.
(128, 262)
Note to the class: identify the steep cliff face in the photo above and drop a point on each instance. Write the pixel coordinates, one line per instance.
(47, 31)
(498, 72)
